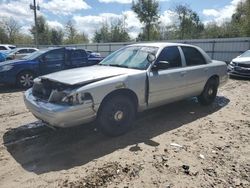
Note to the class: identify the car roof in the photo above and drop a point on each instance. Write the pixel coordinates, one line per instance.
(26, 48)
(161, 44)
(7, 45)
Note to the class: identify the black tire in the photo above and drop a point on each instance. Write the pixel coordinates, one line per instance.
(25, 79)
(116, 115)
(209, 93)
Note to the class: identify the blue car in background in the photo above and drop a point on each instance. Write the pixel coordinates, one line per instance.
(22, 72)
(2, 57)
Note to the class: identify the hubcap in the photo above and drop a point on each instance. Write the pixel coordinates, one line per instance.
(210, 91)
(26, 80)
(118, 115)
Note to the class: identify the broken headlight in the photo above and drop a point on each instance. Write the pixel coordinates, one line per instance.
(77, 98)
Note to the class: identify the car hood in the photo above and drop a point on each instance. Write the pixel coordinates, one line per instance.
(242, 60)
(12, 62)
(87, 75)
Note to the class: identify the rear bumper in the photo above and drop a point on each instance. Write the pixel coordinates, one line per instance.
(59, 115)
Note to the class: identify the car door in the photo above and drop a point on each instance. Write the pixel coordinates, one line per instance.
(21, 53)
(52, 61)
(169, 84)
(78, 58)
(196, 69)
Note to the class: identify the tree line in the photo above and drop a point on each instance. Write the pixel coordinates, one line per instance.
(188, 25)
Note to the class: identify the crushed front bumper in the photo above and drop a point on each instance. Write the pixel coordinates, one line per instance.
(59, 115)
(239, 71)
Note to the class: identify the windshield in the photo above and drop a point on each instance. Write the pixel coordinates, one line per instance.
(246, 54)
(130, 57)
(34, 55)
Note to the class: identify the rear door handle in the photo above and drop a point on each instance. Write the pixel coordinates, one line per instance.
(205, 69)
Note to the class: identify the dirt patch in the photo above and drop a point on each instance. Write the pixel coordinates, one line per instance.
(178, 145)
(107, 174)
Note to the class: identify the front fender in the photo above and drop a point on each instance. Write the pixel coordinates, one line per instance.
(99, 90)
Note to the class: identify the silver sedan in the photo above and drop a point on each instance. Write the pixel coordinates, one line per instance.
(133, 79)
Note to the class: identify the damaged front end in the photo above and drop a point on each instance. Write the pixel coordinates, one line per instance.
(58, 104)
(59, 93)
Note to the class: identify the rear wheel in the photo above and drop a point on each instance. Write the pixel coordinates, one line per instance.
(25, 79)
(209, 93)
(116, 115)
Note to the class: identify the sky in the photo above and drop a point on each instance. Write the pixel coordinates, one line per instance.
(89, 15)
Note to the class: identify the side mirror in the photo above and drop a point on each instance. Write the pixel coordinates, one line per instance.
(151, 57)
(161, 65)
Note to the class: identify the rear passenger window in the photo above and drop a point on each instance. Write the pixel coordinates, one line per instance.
(171, 55)
(78, 57)
(23, 51)
(78, 54)
(31, 50)
(55, 55)
(193, 56)
(3, 48)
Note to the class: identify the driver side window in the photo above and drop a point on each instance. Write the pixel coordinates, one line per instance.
(54, 56)
(171, 55)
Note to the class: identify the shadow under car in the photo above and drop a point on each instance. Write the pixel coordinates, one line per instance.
(40, 149)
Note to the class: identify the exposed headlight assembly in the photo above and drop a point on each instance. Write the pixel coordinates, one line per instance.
(5, 68)
(77, 98)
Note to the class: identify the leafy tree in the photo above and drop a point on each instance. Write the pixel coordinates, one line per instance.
(70, 32)
(72, 36)
(241, 18)
(103, 34)
(42, 30)
(11, 28)
(56, 36)
(148, 13)
(114, 33)
(154, 33)
(190, 25)
(81, 38)
(118, 32)
(3, 35)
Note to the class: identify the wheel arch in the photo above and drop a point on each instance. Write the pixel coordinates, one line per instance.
(25, 70)
(123, 92)
(216, 78)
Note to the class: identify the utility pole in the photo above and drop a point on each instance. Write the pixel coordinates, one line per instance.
(35, 7)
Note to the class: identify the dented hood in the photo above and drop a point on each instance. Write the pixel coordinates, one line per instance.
(86, 75)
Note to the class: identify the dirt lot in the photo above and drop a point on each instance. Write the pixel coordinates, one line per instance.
(214, 147)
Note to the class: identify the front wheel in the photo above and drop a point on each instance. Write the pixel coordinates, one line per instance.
(209, 93)
(25, 79)
(116, 115)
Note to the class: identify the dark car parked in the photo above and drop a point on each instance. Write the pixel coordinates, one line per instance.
(240, 66)
(22, 72)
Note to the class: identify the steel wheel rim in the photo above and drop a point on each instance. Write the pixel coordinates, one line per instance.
(26, 80)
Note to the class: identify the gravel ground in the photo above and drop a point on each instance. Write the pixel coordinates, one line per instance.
(178, 145)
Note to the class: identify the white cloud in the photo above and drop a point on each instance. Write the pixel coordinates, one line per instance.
(65, 7)
(89, 24)
(55, 24)
(121, 1)
(222, 14)
(116, 1)
(168, 17)
(18, 10)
